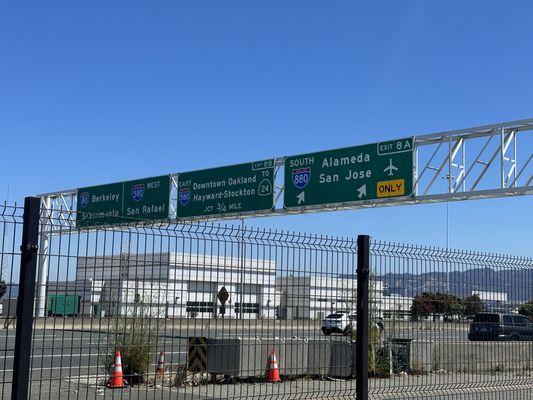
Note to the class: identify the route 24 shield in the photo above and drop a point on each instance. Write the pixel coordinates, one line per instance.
(184, 196)
(301, 177)
(137, 191)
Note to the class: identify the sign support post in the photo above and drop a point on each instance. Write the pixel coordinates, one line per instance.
(363, 272)
(241, 270)
(28, 271)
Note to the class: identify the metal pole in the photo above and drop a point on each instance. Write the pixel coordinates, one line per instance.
(502, 158)
(28, 267)
(449, 284)
(361, 362)
(241, 267)
(44, 261)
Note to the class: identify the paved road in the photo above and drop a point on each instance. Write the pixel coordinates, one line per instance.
(66, 362)
(58, 354)
(61, 353)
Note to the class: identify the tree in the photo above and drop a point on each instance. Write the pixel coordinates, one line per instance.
(473, 305)
(526, 309)
(3, 288)
(440, 303)
(423, 306)
(456, 306)
(447, 305)
(444, 304)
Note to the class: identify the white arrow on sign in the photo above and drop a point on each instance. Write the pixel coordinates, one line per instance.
(301, 198)
(362, 191)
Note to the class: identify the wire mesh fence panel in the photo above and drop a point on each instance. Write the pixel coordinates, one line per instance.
(10, 236)
(455, 322)
(207, 311)
(195, 311)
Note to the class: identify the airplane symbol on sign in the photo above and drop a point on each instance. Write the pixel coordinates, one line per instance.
(390, 168)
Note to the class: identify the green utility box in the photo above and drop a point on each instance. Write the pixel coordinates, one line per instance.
(63, 304)
(97, 310)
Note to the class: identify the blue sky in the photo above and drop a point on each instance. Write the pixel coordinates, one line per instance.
(108, 91)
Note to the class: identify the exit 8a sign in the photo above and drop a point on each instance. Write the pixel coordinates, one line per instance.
(350, 174)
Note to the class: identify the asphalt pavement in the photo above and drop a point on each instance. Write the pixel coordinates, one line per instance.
(64, 359)
(60, 353)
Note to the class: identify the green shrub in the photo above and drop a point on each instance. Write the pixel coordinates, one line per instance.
(374, 342)
(382, 362)
(526, 309)
(136, 339)
(180, 375)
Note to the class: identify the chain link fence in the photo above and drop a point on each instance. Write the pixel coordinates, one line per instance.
(209, 311)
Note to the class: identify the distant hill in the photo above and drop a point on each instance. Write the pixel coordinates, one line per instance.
(517, 284)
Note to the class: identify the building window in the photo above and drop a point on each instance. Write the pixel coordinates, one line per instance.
(199, 306)
(248, 308)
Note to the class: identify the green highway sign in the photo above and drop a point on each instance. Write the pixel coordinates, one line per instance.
(368, 172)
(147, 198)
(226, 190)
(98, 205)
(123, 202)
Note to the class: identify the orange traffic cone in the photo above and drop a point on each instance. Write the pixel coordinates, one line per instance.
(273, 368)
(117, 381)
(160, 371)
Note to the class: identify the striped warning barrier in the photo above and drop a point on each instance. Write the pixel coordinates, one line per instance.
(197, 359)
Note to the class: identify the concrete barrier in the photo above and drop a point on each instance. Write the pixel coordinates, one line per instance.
(291, 356)
(483, 356)
(331, 358)
(422, 356)
(471, 357)
(296, 357)
(248, 357)
(223, 356)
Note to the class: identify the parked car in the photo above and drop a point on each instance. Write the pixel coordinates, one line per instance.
(344, 323)
(495, 326)
(338, 322)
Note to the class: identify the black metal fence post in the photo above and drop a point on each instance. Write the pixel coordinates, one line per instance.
(26, 295)
(361, 362)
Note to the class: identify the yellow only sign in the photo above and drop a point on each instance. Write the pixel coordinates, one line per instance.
(391, 188)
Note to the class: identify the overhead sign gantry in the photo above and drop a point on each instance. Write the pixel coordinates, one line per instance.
(465, 164)
(480, 162)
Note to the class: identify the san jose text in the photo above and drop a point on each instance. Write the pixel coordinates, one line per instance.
(350, 167)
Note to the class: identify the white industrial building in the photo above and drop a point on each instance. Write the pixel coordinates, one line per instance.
(167, 285)
(395, 306)
(180, 285)
(495, 301)
(315, 296)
